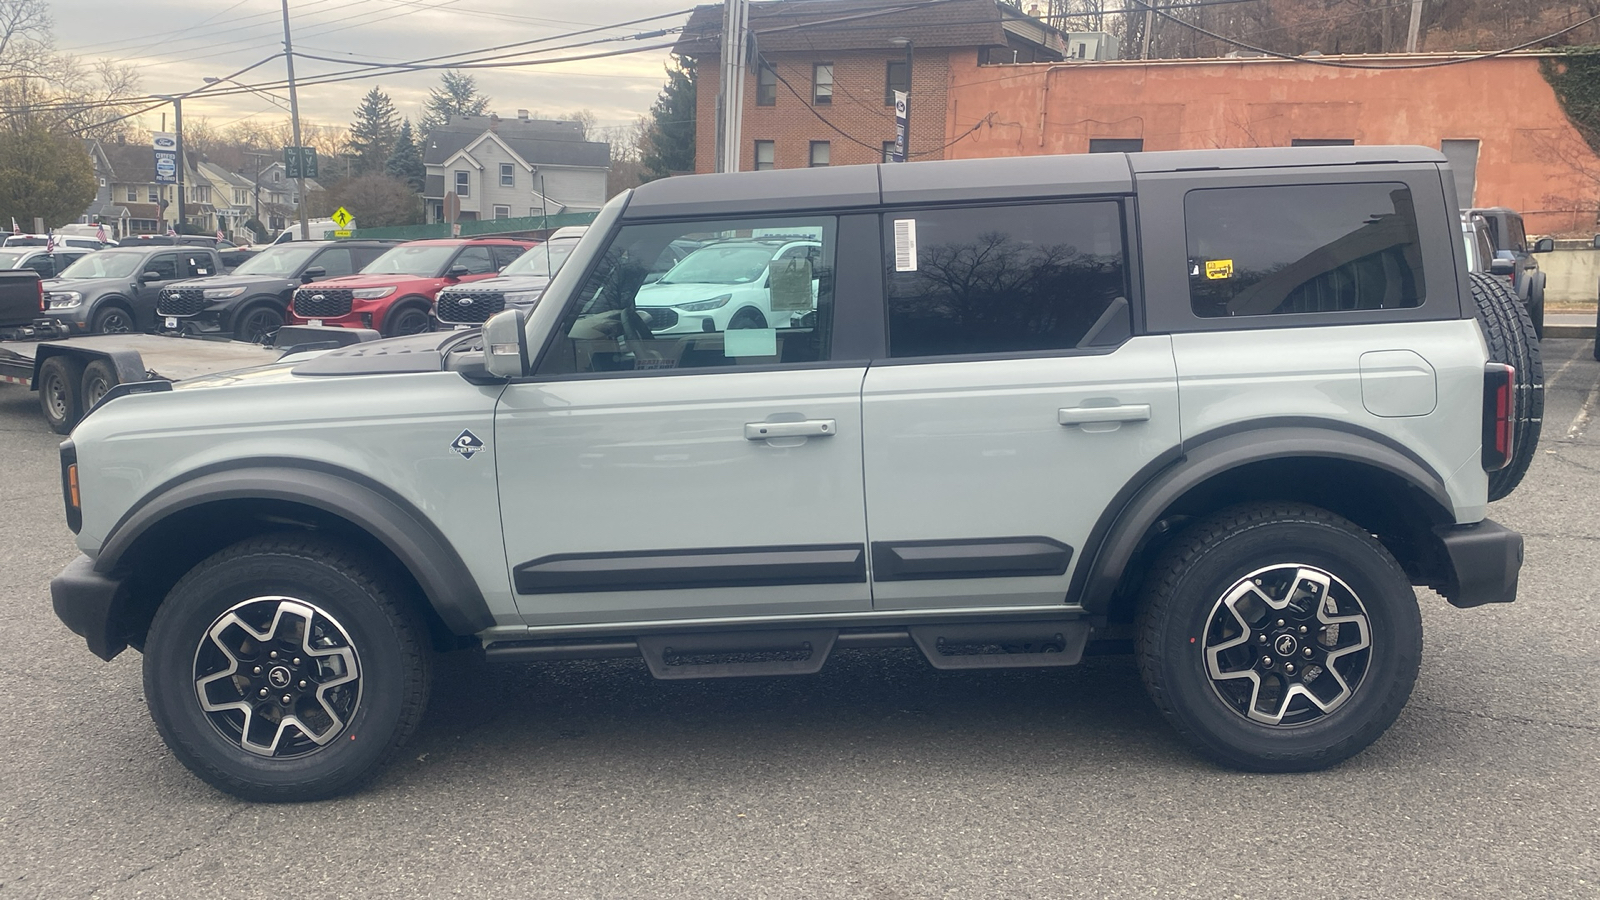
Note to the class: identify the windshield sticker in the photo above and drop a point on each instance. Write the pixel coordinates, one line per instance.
(467, 444)
(905, 245)
(1217, 269)
(791, 285)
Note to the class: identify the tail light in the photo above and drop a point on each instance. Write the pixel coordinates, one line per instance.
(1499, 413)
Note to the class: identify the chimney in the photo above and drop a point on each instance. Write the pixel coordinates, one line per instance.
(522, 114)
(494, 123)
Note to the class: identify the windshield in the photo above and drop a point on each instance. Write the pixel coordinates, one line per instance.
(279, 262)
(545, 259)
(721, 264)
(104, 265)
(10, 260)
(427, 260)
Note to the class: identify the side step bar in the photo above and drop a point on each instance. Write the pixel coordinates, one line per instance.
(729, 654)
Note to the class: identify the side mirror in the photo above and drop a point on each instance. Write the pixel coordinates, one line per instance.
(148, 276)
(1502, 266)
(505, 344)
(456, 271)
(1544, 245)
(313, 273)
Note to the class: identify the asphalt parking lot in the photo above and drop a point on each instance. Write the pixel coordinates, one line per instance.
(878, 778)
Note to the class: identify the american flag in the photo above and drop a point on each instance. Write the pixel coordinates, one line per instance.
(15, 228)
(171, 232)
(100, 233)
(50, 243)
(220, 235)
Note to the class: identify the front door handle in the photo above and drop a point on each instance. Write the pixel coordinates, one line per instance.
(761, 431)
(1094, 415)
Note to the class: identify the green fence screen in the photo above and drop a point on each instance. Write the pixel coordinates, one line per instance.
(478, 228)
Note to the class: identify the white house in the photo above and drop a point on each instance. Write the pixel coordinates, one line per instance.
(510, 168)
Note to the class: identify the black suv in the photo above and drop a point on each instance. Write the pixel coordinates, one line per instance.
(1513, 258)
(115, 291)
(251, 301)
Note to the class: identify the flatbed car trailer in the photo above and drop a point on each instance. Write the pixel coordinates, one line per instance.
(74, 374)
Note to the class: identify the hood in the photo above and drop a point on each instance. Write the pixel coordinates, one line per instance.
(271, 373)
(504, 284)
(228, 281)
(659, 294)
(81, 284)
(355, 282)
(409, 354)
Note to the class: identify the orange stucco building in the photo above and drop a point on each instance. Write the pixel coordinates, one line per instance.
(1527, 154)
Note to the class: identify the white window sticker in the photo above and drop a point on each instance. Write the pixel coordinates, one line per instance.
(905, 245)
(750, 342)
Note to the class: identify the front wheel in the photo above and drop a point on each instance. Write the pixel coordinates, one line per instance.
(1279, 638)
(409, 319)
(112, 319)
(285, 669)
(258, 323)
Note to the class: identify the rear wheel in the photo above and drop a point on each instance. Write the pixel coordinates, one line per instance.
(408, 319)
(99, 377)
(285, 669)
(257, 323)
(1279, 637)
(60, 389)
(1508, 329)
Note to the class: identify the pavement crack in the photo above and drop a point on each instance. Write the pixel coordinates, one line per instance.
(176, 854)
(1514, 720)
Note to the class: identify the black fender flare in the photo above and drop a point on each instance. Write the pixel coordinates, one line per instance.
(390, 519)
(1117, 535)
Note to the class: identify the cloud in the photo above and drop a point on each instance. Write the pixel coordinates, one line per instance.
(176, 44)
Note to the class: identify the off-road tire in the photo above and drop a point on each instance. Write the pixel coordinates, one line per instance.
(368, 607)
(1212, 559)
(1508, 329)
(60, 387)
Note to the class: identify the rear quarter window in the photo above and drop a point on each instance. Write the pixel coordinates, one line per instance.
(1276, 250)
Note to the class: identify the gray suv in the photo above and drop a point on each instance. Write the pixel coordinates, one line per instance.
(1221, 409)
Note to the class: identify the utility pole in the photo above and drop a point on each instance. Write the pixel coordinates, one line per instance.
(1416, 26)
(730, 99)
(1149, 26)
(177, 127)
(257, 157)
(294, 115)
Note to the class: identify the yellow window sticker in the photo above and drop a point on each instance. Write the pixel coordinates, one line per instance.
(1219, 268)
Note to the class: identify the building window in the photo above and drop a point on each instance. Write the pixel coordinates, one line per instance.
(1322, 142)
(463, 189)
(894, 79)
(822, 84)
(820, 153)
(102, 182)
(766, 155)
(133, 194)
(507, 177)
(888, 151)
(277, 177)
(155, 194)
(502, 212)
(1116, 145)
(766, 86)
(438, 212)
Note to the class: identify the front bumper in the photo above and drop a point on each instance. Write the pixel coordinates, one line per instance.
(1485, 559)
(90, 603)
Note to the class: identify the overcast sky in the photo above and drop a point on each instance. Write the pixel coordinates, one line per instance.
(176, 44)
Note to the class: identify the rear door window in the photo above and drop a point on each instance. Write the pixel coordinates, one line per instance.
(1257, 251)
(1005, 279)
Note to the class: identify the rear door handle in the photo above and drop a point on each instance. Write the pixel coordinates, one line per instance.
(761, 431)
(1092, 415)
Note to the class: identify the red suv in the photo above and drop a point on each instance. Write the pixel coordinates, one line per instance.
(395, 293)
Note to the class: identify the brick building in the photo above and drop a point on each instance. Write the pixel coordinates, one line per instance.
(822, 91)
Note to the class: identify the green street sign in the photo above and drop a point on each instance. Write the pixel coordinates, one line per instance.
(300, 162)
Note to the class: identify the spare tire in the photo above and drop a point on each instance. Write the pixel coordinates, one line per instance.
(1508, 329)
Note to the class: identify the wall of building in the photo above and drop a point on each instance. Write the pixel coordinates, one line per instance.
(1530, 157)
(857, 110)
(582, 189)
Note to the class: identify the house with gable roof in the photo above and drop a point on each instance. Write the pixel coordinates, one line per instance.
(510, 168)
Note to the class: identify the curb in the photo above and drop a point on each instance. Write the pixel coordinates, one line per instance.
(1568, 331)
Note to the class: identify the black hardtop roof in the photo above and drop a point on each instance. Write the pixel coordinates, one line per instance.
(942, 181)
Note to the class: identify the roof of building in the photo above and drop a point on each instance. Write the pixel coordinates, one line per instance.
(131, 163)
(538, 141)
(811, 25)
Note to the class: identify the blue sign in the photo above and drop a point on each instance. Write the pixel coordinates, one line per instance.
(902, 126)
(166, 167)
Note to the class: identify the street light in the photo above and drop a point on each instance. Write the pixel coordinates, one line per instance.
(902, 108)
(274, 98)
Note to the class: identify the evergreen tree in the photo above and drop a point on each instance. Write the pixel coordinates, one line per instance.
(457, 95)
(668, 144)
(372, 134)
(44, 175)
(405, 162)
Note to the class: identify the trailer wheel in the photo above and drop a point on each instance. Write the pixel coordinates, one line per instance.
(60, 397)
(99, 377)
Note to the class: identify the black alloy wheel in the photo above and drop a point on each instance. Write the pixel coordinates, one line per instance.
(258, 323)
(408, 319)
(112, 320)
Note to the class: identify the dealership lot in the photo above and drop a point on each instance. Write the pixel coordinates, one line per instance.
(879, 777)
